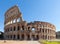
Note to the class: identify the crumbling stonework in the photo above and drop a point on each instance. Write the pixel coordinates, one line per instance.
(15, 28)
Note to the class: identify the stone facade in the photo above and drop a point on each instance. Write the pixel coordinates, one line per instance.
(15, 28)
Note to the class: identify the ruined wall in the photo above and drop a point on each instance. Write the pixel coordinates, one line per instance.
(15, 28)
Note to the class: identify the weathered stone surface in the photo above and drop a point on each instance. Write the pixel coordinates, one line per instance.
(17, 29)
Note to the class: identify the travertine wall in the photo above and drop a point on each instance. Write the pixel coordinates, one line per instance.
(17, 29)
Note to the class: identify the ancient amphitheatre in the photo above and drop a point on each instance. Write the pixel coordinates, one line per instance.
(16, 28)
(29, 22)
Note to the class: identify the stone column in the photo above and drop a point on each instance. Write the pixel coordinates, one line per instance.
(9, 36)
(20, 36)
(21, 18)
(44, 33)
(35, 36)
(12, 33)
(39, 36)
(47, 34)
(30, 36)
(16, 33)
(16, 37)
(25, 37)
(12, 37)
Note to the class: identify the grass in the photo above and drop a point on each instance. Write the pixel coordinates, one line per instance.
(49, 42)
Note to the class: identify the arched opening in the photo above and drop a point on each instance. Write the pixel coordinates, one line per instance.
(11, 29)
(11, 22)
(14, 37)
(43, 36)
(37, 37)
(7, 36)
(40, 30)
(33, 37)
(18, 37)
(43, 30)
(18, 20)
(18, 28)
(33, 29)
(14, 28)
(22, 37)
(14, 21)
(28, 29)
(28, 37)
(8, 30)
(22, 27)
(11, 36)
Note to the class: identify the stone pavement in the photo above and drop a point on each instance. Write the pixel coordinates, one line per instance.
(18, 42)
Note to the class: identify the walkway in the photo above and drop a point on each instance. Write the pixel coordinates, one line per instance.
(18, 42)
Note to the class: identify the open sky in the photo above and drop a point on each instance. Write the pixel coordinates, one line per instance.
(33, 10)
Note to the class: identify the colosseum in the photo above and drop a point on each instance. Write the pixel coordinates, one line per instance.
(15, 28)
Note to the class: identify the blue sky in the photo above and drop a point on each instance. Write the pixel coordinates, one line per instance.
(33, 10)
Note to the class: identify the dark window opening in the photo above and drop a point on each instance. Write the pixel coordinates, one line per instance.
(33, 37)
(28, 37)
(46, 31)
(22, 36)
(14, 28)
(14, 37)
(8, 36)
(22, 27)
(8, 29)
(45, 36)
(11, 37)
(18, 37)
(37, 37)
(11, 29)
(43, 30)
(40, 29)
(29, 29)
(18, 27)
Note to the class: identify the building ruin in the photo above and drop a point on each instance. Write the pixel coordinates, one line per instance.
(15, 28)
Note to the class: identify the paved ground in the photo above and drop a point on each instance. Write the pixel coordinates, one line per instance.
(18, 42)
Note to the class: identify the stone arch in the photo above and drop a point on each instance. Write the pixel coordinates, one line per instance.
(22, 36)
(18, 19)
(18, 37)
(28, 37)
(33, 37)
(14, 37)
(37, 37)
(22, 27)
(18, 27)
(33, 29)
(29, 29)
(14, 28)
(10, 28)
